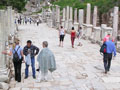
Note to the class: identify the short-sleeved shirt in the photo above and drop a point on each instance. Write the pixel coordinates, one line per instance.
(19, 51)
(62, 31)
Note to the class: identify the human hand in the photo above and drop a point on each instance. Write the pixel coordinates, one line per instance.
(35, 54)
(23, 61)
(4, 52)
(114, 57)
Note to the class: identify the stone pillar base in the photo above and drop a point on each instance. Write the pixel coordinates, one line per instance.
(50, 23)
(63, 23)
(76, 24)
(106, 30)
(4, 73)
(87, 30)
(70, 25)
(57, 25)
(66, 25)
(97, 35)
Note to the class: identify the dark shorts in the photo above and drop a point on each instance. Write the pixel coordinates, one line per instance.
(61, 37)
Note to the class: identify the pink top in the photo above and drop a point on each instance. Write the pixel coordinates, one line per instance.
(106, 38)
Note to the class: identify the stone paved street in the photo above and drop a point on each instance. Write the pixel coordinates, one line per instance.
(80, 68)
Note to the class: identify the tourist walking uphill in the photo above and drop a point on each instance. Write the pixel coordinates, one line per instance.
(31, 50)
(73, 36)
(61, 36)
(18, 57)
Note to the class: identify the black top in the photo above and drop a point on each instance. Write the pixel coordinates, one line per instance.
(33, 50)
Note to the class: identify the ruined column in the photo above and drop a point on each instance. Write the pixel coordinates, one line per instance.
(81, 17)
(63, 19)
(95, 17)
(106, 30)
(88, 16)
(13, 22)
(71, 18)
(3, 70)
(9, 14)
(67, 18)
(75, 15)
(96, 30)
(58, 16)
(76, 19)
(88, 26)
(53, 17)
(115, 23)
(97, 35)
(43, 15)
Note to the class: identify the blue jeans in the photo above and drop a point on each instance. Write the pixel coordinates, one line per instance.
(33, 67)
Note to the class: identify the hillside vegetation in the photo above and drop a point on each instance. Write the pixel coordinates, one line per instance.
(19, 5)
(103, 5)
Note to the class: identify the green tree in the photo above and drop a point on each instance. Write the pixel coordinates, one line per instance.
(16, 4)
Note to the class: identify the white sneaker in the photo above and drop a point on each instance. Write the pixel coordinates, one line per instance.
(46, 79)
(37, 81)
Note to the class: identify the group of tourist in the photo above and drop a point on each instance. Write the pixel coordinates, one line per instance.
(45, 59)
(74, 35)
(26, 20)
(108, 45)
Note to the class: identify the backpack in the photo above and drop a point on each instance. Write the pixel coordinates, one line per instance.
(103, 49)
(16, 56)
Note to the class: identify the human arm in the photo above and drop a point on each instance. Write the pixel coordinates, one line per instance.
(114, 50)
(25, 51)
(37, 50)
(64, 32)
(6, 53)
(22, 56)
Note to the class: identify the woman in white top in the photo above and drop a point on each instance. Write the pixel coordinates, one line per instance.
(61, 36)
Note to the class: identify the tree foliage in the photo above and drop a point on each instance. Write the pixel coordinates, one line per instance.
(16, 4)
(103, 5)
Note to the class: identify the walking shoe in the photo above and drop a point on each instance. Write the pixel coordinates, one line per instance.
(26, 77)
(38, 69)
(34, 77)
(105, 72)
(108, 70)
(37, 81)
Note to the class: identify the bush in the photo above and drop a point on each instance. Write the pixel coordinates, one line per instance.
(16, 4)
(103, 5)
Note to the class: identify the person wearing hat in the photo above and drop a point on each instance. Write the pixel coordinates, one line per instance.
(31, 50)
(18, 57)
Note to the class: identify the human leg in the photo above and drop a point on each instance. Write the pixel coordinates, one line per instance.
(105, 59)
(33, 67)
(109, 61)
(15, 69)
(19, 71)
(62, 40)
(26, 71)
(72, 41)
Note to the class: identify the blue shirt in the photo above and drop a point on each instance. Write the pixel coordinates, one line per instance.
(111, 47)
(19, 51)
